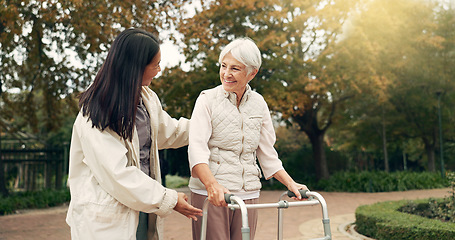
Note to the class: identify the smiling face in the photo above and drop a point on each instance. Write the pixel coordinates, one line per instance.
(151, 70)
(234, 75)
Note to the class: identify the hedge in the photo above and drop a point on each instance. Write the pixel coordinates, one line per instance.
(39, 199)
(381, 181)
(384, 221)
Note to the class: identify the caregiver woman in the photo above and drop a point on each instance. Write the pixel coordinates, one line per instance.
(114, 173)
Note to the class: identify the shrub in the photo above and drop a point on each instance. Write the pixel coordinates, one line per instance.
(366, 181)
(299, 163)
(442, 209)
(384, 221)
(174, 181)
(38, 199)
(380, 181)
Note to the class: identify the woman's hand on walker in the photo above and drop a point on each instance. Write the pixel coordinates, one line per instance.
(216, 193)
(184, 208)
(295, 187)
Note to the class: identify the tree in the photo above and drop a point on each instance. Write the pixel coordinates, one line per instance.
(406, 54)
(3, 189)
(370, 45)
(291, 35)
(52, 49)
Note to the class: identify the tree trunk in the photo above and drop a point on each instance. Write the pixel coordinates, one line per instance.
(405, 164)
(430, 155)
(48, 173)
(320, 160)
(384, 143)
(3, 189)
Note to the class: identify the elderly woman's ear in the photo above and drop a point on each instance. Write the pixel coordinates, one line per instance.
(252, 74)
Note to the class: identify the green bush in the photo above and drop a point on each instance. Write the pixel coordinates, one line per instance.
(384, 221)
(380, 181)
(299, 163)
(369, 181)
(174, 181)
(39, 199)
(442, 209)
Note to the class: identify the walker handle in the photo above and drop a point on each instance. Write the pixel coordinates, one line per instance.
(227, 197)
(302, 192)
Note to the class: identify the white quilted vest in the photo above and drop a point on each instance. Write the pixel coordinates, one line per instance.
(234, 140)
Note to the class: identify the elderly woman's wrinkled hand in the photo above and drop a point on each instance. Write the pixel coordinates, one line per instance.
(216, 193)
(295, 187)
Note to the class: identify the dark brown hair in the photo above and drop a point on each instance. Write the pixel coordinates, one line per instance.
(110, 102)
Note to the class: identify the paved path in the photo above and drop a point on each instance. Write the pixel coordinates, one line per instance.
(299, 223)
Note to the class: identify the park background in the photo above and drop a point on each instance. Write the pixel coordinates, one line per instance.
(361, 91)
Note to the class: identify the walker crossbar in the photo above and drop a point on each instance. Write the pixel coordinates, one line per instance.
(280, 204)
(235, 202)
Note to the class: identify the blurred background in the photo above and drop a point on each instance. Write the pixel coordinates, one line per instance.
(362, 92)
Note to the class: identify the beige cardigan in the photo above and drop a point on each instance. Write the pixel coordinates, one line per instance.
(108, 189)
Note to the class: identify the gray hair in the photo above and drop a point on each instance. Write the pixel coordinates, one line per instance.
(245, 51)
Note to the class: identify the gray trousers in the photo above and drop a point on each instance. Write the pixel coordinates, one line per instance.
(141, 233)
(146, 228)
(222, 222)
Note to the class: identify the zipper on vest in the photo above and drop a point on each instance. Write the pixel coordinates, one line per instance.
(243, 145)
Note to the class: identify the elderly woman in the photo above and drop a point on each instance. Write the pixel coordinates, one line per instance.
(230, 127)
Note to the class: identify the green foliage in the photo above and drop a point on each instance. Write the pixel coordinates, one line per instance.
(442, 209)
(383, 221)
(379, 181)
(291, 35)
(374, 181)
(50, 198)
(38, 199)
(404, 58)
(51, 50)
(301, 166)
(419, 219)
(175, 162)
(342, 63)
(175, 181)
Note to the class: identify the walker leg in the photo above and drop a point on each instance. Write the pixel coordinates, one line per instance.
(245, 228)
(204, 219)
(280, 224)
(325, 214)
(244, 211)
